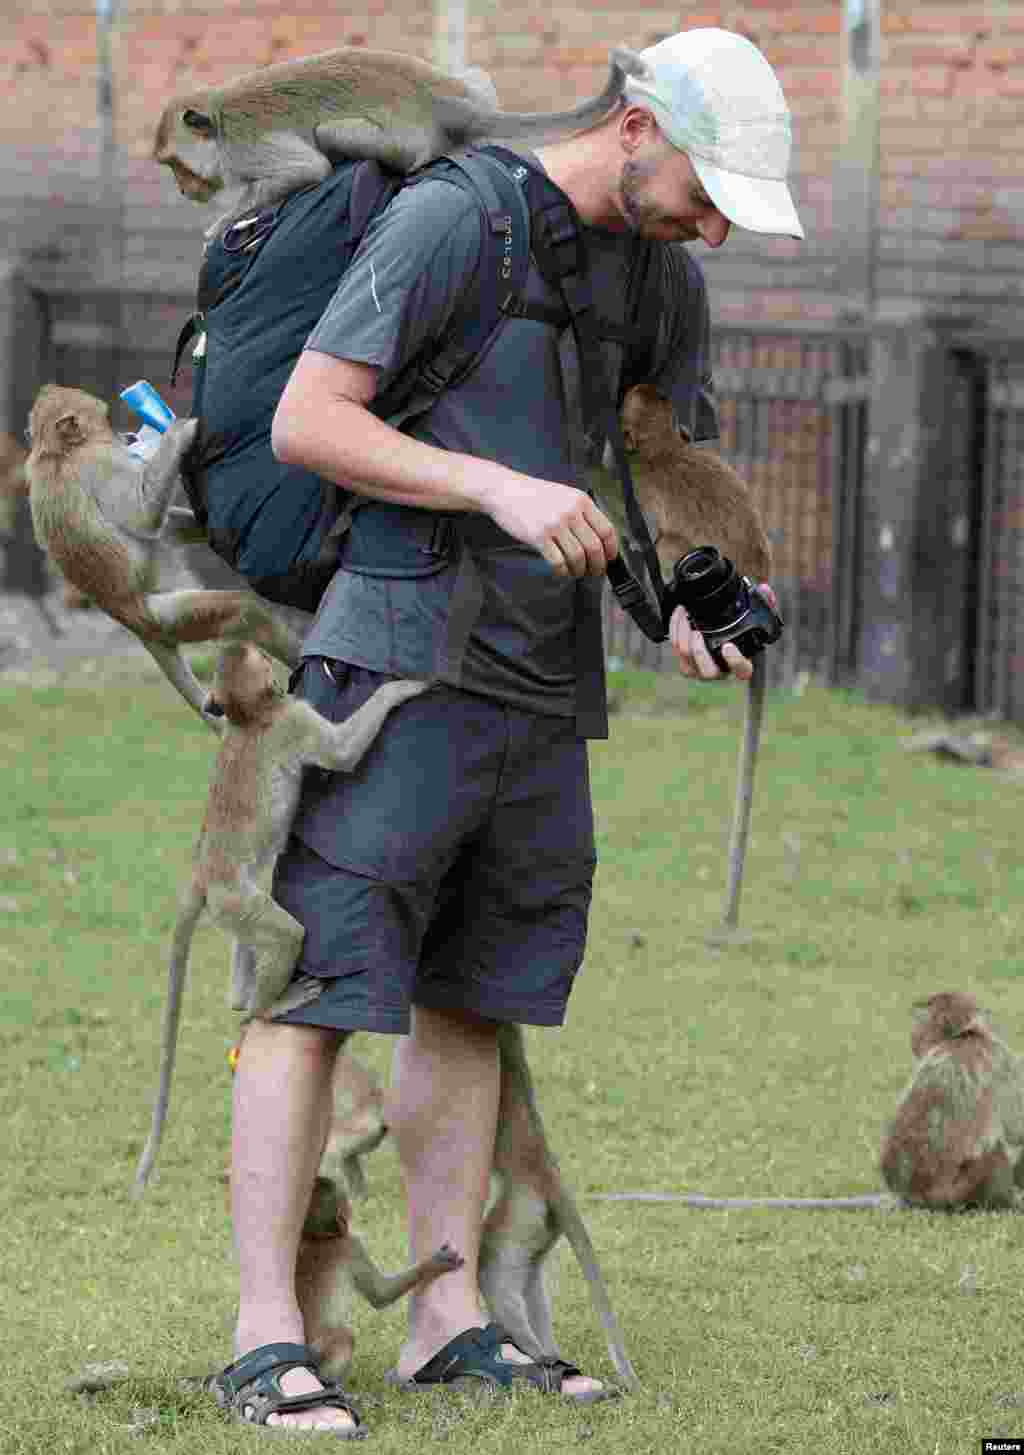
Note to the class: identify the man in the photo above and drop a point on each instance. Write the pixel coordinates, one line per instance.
(445, 886)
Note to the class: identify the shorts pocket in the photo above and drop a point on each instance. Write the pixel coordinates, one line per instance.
(323, 684)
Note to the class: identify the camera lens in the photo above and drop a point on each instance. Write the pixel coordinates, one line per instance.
(707, 584)
(702, 570)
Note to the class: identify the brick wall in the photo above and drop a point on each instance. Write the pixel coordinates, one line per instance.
(952, 194)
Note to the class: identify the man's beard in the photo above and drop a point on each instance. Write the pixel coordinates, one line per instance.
(637, 212)
(644, 219)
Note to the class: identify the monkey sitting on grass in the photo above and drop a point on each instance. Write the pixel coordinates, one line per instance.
(283, 127)
(957, 1138)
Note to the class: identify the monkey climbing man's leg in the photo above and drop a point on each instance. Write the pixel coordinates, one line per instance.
(382, 1289)
(442, 1112)
(272, 941)
(517, 1235)
(345, 743)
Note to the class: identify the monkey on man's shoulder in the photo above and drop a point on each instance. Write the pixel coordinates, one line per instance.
(282, 128)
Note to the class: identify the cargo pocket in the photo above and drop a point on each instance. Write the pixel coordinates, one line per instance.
(322, 683)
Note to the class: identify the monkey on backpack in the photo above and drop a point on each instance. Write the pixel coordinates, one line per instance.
(283, 127)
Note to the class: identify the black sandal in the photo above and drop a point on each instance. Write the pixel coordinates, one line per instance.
(251, 1389)
(472, 1361)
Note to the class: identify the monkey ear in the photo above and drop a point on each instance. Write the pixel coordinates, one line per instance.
(198, 121)
(69, 430)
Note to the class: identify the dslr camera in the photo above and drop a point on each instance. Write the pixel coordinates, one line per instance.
(721, 604)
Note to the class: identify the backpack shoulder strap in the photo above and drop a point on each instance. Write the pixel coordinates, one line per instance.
(497, 178)
(497, 291)
(559, 247)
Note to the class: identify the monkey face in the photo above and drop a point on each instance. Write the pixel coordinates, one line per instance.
(191, 185)
(62, 418)
(943, 1017)
(186, 141)
(244, 683)
(646, 418)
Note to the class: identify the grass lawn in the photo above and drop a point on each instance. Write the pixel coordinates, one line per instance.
(764, 1066)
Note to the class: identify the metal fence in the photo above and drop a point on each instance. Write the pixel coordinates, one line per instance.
(994, 370)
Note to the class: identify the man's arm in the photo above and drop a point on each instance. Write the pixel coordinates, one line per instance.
(323, 424)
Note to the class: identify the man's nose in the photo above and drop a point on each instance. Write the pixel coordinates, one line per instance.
(714, 228)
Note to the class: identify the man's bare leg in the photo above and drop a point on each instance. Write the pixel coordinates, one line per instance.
(282, 1103)
(442, 1112)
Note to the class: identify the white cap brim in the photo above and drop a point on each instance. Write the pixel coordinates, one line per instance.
(759, 204)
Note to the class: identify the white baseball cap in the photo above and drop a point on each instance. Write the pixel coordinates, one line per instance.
(718, 100)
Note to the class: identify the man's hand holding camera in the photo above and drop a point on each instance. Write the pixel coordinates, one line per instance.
(691, 650)
(718, 619)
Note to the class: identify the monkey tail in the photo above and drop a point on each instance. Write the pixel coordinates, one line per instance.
(512, 1046)
(181, 943)
(533, 125)
(579, 1241)
(180, 675)
(880, 1200)
(744, 792)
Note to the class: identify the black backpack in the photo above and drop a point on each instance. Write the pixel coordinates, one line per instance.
(264, 285)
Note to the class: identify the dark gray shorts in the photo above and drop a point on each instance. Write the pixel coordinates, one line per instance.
(452, 869)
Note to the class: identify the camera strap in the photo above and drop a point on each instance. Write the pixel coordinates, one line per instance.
(559, 249)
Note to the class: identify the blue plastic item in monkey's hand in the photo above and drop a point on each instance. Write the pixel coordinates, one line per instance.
(144, 401)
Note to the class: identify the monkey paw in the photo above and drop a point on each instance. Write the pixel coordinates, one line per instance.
(446, 1259)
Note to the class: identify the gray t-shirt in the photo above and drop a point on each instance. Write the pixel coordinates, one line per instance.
(397, 297)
